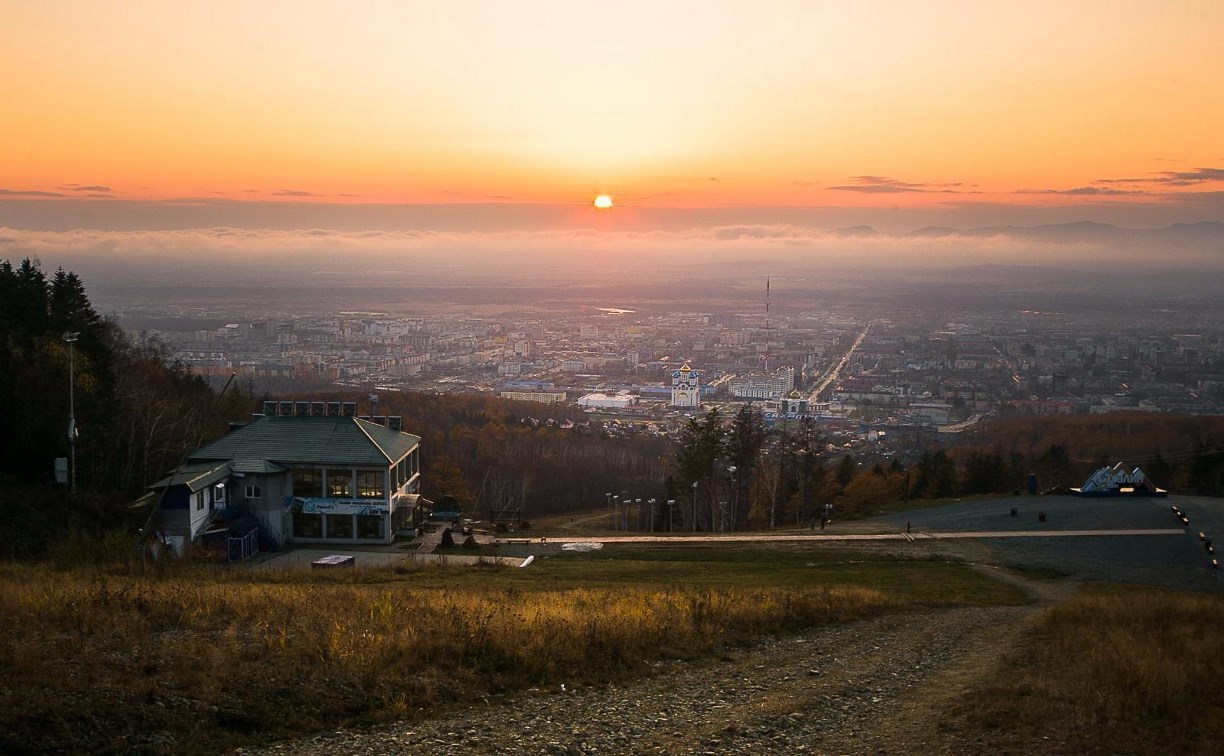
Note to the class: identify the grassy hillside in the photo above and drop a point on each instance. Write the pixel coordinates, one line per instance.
(1116, 670)
(195, 660)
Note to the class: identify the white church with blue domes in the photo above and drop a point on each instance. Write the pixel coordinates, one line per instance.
(686, 388)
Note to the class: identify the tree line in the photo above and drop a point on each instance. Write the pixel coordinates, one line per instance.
(136, 410)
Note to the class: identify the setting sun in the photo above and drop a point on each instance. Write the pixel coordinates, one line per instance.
(603, 202)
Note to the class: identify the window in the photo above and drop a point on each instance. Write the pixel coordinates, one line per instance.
(339, 526)
(371, 484)
(370, 526)
(253, 492)
(308, 482)
(339, 483)
(307, 525)
(199, 500)
(220, 489)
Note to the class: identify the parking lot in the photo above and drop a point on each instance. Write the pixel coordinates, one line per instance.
(1178, 561)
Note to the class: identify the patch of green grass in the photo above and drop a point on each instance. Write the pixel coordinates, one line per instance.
(918, 581)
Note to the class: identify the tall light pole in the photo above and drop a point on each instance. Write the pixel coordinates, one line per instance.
(731, 470)
(694, 509)
(71, 337)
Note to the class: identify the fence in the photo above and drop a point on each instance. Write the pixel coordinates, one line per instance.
(242, 548)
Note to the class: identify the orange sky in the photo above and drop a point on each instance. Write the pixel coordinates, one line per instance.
(676, 104)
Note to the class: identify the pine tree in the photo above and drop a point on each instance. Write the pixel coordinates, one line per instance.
(743, 447)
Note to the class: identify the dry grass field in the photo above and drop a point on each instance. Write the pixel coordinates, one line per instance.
(1115, 670)
(199, 658)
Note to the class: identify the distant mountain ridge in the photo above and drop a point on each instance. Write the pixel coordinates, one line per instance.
(1077, 231)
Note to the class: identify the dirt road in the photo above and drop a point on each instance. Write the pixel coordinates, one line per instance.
(878, 687)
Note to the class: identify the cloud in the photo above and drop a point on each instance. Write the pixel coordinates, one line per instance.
(28, 193)
(750, 231)
(1173, 178)
(201, 202)
(1196, 176)
(293, 193)
(887, 185)
(91, 188)
(874, 188)
(1086, 191)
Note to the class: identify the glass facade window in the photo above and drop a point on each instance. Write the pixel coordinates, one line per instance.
(370, 526)
(308, 482)
(339, 483)
(340, 526)
(307, 525)
(371, 484)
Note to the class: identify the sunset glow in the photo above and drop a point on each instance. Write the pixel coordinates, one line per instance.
(887, 105)
(603, 202)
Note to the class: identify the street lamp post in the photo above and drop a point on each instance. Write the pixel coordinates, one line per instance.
(730, 525)
(71, 337)
(693, 511)
(804, 467)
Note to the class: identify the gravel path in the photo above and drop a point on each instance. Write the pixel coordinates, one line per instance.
(876, 686)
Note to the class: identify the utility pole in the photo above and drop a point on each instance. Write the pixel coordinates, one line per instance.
(71, 337)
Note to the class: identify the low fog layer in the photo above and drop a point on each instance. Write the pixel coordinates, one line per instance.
(1192, 254)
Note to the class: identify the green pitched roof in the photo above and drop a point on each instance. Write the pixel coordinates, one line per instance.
(394, 444)
(256, 466)
(311, 440)
(196, 476)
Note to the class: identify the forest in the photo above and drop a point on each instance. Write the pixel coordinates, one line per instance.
(136, 411)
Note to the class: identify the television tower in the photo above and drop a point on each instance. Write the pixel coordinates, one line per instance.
(767, 325)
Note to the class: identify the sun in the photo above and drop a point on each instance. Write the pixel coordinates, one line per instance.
(603, 202)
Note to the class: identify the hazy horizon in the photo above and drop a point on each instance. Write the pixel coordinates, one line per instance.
(404, 141)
